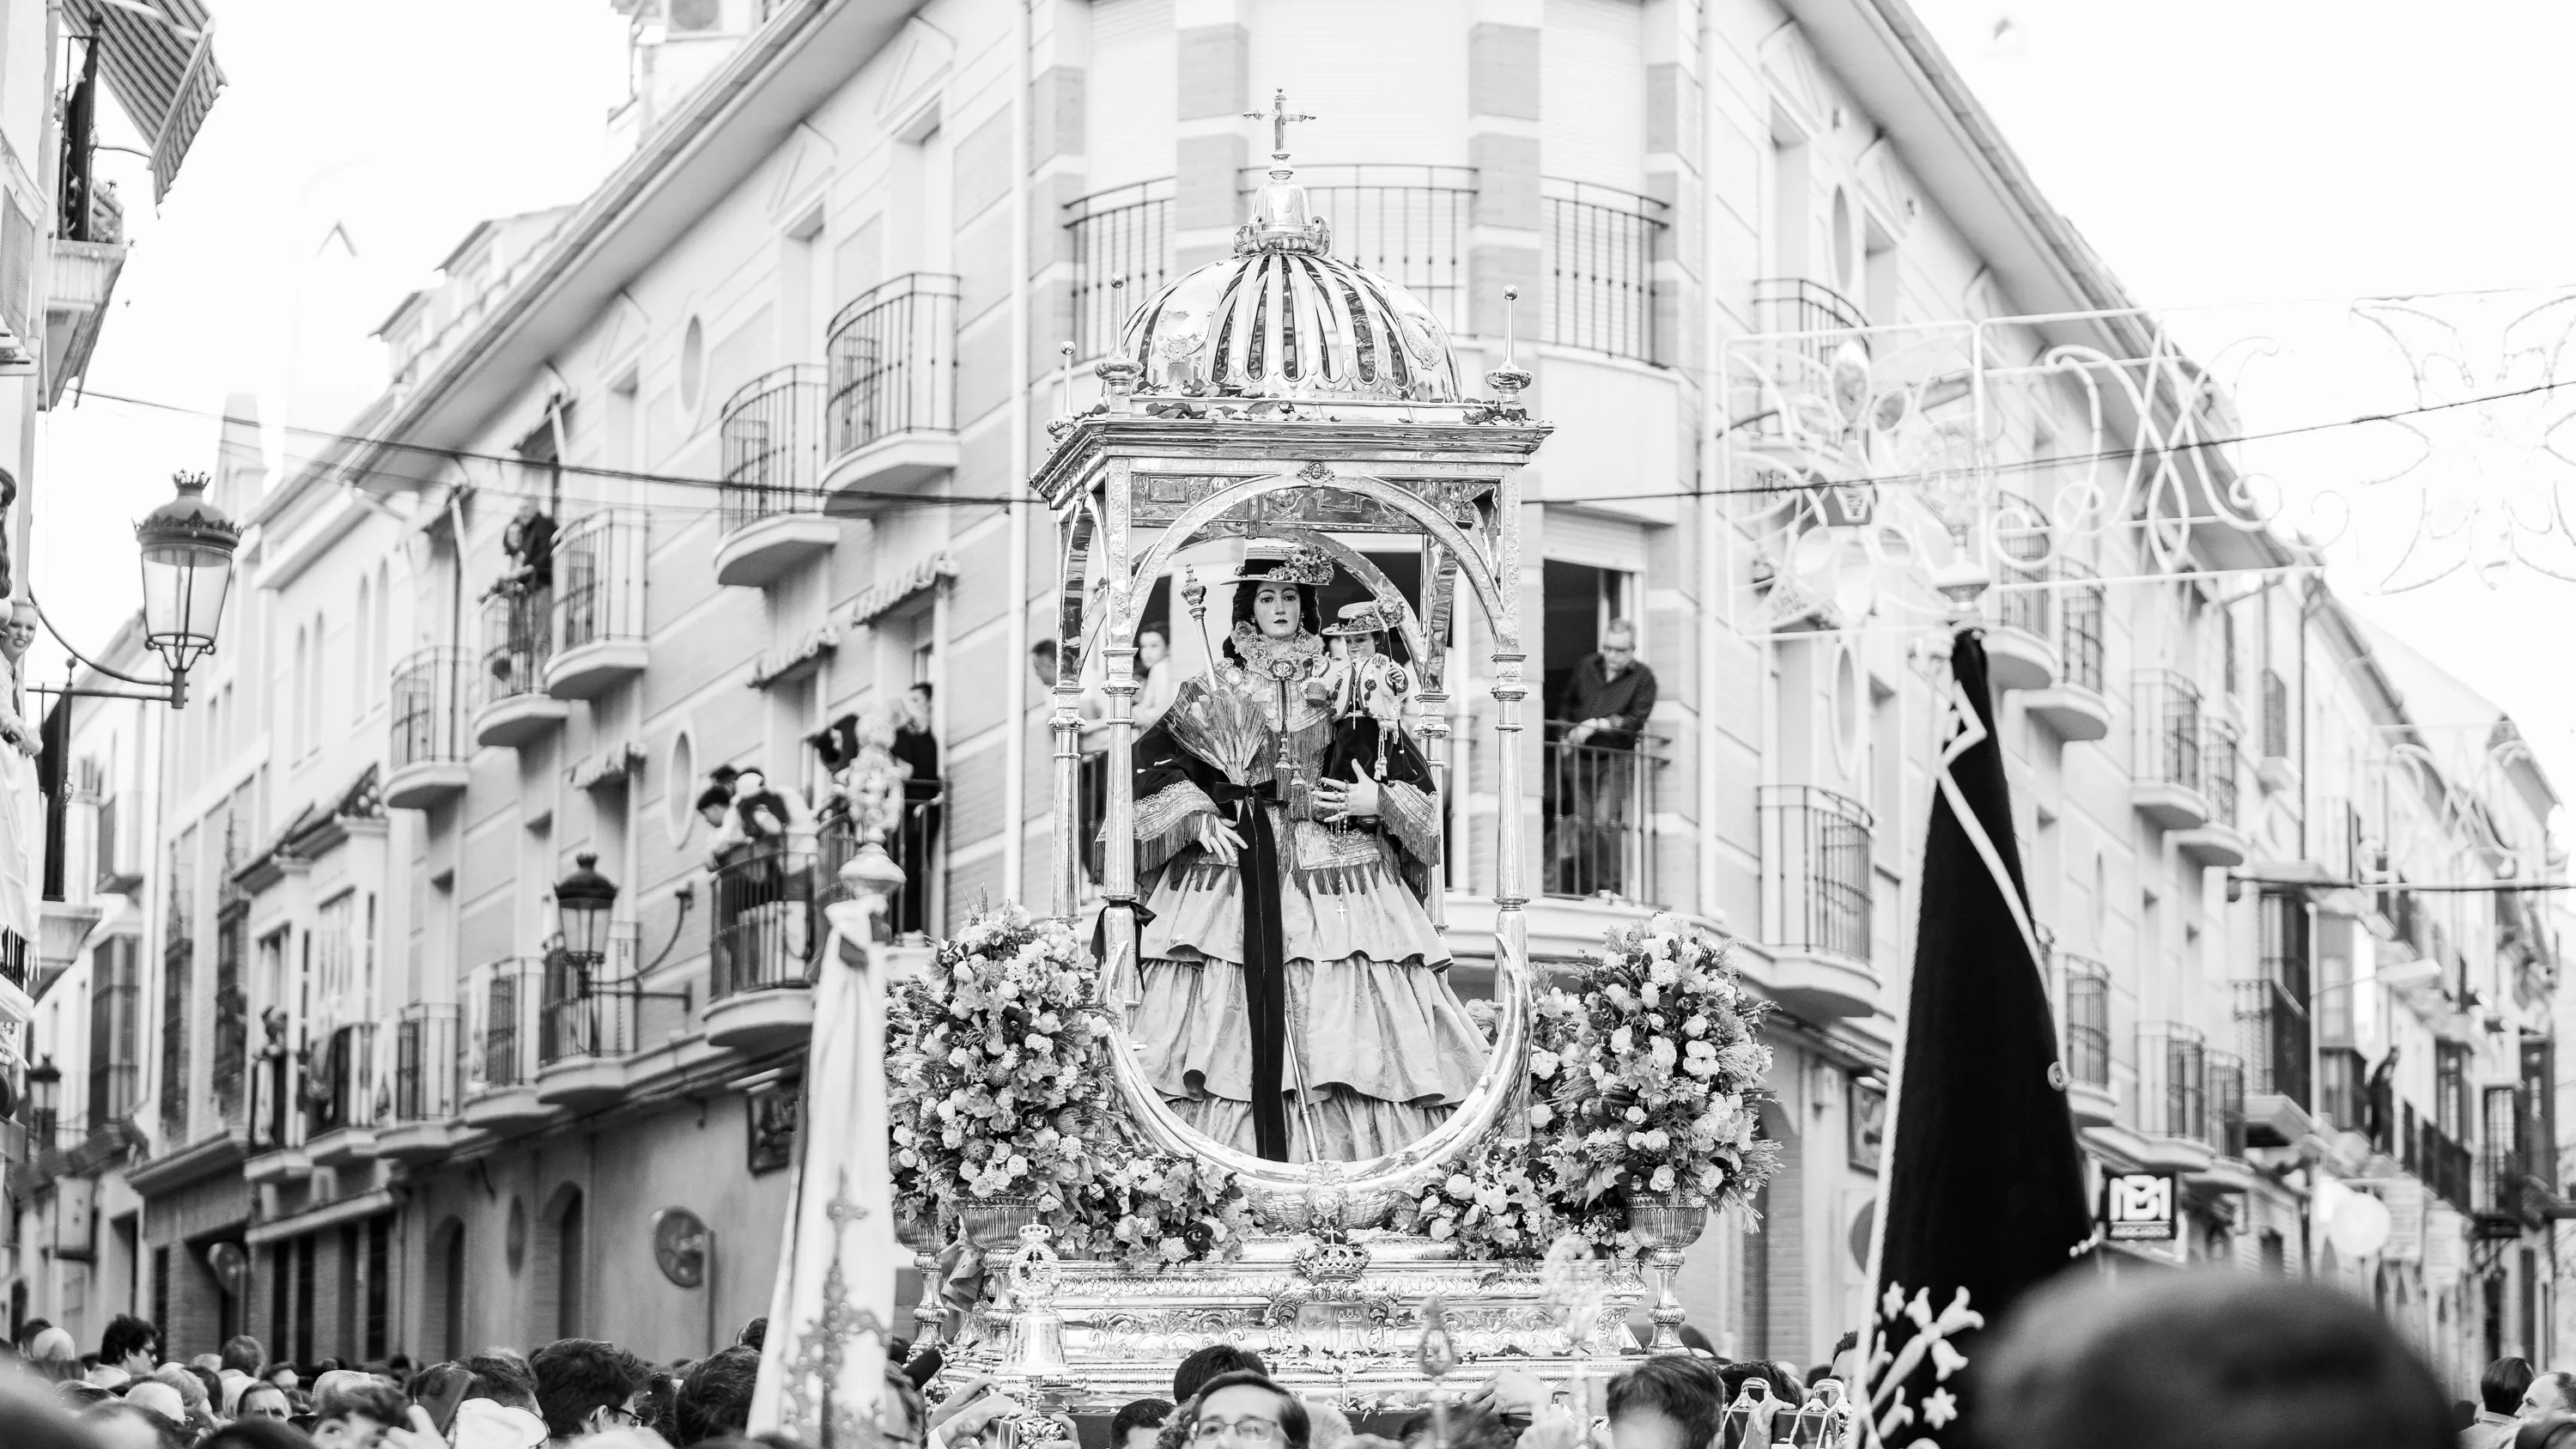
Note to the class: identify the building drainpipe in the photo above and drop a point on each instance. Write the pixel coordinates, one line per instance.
(1015, 744)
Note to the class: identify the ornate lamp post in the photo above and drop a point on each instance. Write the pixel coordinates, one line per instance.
(44, 1104)
(187, 546)
(583, 903)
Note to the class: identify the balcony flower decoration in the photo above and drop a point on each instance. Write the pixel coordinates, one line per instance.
(1646, 1078)
(1000, 1086)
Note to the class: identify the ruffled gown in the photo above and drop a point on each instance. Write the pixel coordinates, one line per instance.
(1386, 1048)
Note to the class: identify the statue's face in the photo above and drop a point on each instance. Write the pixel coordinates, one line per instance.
(1275, 610)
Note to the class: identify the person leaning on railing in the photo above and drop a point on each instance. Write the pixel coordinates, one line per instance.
(1604, 707)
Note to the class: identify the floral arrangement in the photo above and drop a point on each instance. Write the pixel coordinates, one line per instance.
(1000, 1086)
(1645, 1075)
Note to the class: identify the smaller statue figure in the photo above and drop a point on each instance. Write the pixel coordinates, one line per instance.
(1365, 690)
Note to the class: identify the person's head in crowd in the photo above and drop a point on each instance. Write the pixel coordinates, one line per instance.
(353, 1411)
(489, 1424)
(124, 1424)
(2208, 1361)
(160, 1398)
(242, 1355)
(130, 1343)
(754, 1334)
(399, 1366)
(2545, 1394)
(54, 1354)
(586, 1386)
(257, 1434)
(27, 1332)
(1468, 1428)
(263, 1400)
(715, 1398)
(1245, 1410)
(1672, 1401)
(212, 1363)
(1042, 661)
(281, 1374)
(1139, 1423)
(2501, 1387)
(1202, 1367)
(504, 1378)
(78, 1394)
(1152, 647)
(1326, 1425)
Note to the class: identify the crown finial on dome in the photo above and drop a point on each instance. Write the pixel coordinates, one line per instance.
(1280, 222)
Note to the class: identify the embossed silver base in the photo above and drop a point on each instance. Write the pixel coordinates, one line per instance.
(1331, 1323)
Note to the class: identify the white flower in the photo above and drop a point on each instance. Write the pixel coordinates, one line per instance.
(1543, 1064)
(1662, 1181)
(1622, 1041)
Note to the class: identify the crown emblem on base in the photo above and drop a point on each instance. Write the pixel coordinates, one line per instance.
(1331, 1260)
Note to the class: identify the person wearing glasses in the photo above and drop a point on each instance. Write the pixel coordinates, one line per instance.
(586, 1386)
(1246, 1410)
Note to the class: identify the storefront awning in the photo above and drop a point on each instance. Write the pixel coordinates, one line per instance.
(158, 56)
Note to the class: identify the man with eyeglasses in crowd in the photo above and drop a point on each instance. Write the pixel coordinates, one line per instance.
(1246, 1410)
(586, 1386)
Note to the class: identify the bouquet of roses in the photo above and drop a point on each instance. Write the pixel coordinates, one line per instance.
(1155, 1209)
(1650, 1081)
(1009, 1092)
(1493, 1206)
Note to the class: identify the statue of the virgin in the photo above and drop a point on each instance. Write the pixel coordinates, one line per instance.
(1294, 998)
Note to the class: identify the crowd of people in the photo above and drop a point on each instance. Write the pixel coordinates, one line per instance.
(2194, 1362)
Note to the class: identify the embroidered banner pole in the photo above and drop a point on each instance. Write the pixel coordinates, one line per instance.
(1985, 1183)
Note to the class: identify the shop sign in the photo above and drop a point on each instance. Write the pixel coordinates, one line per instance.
(2140, 1207)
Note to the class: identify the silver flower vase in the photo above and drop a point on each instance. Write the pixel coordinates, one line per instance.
(1666, 1223)
(916, 1226)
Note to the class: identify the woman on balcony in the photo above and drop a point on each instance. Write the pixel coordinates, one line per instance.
(1293, 999)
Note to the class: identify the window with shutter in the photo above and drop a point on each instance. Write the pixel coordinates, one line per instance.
(17, 263)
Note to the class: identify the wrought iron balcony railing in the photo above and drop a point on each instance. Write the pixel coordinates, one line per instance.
(518, 638)
(914, 846)
(2079, 624)
(1825, 318)
(892, 362)
(763, 930)
(2443, 1164)
(1600, 247)
(1408, 224)
(2343, 1087)
(2219, 771)
(599, 580)
(340, 1090)
(2223, 1072)
(1820, 845)
(2170, 734)
(771, 434)
(2272, 1033)
(593, 1005)
(2088, 1020)
(501, 1051)
(2173, 1082)
(425, 1062)
(1598, 813)
(1121, 240)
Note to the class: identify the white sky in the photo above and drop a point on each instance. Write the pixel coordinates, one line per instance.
(2213, 151)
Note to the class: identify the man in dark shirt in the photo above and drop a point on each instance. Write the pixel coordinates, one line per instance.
(917, 747)
(1604, 710)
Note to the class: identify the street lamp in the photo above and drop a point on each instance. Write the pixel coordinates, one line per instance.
(188, 548)
(44, 1099)
(583, 901)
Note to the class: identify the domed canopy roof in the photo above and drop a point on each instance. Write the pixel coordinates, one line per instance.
(1285, 318)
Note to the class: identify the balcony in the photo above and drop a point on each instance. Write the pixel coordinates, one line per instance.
(1816, 886)
(340, 1099)
(2165, 773)
(518, 639)
(423, 1125)
(891, 369)
(2273, 1036)
(501, 1047)
(276, 1151)
(78, 286)
(427, 756)
(2275, 769)
(769, 513)
(2087, 994)
(2172, 1109)
(2021, 649)
(2221, 842)
(1121, 243)
(2343, 1088)
(1598, 819)
(763, 935)
(2513, 1181)
(590, 1023)
(1597, 291)
(598, 605)
(2223, 1123)
(2441, 1162)
(2074, 706)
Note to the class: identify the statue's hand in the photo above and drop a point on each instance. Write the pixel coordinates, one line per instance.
(1354, 801)
(1219, 840)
